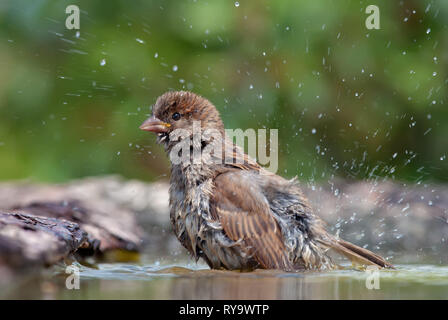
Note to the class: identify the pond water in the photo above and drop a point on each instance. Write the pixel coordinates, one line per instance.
(186, 280)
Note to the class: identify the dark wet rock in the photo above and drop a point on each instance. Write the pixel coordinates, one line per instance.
(42, 224)
(105, 230)
(28, 241)
(127, 214)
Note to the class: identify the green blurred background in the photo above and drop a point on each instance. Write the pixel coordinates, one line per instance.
(348, 101)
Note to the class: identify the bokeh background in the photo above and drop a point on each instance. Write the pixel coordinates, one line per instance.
(348, 102)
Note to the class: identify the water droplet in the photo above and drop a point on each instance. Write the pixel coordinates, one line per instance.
(237, 4)
(394, 155)
(428, 30)
(313, 131)
(140, 41)
(175, 68)
(103, 62)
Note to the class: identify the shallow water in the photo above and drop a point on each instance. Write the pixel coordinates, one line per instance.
(185, 280)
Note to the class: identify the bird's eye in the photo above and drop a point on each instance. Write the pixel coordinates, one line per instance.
(176, 116)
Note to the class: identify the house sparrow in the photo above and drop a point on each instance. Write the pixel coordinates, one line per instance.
(235, 214)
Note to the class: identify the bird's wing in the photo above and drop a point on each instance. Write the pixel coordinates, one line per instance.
(244, 213)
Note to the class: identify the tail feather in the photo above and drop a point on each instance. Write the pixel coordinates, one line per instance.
(358, 254)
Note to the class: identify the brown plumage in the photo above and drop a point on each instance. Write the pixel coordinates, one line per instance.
(235, 214)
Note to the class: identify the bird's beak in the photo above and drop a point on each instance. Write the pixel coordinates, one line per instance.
(153, 124)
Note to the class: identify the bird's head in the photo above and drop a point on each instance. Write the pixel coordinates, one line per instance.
(179, 110)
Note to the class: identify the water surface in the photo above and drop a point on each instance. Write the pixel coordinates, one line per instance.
(186, 280)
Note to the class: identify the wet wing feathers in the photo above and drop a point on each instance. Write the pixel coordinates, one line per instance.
(245, 216)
